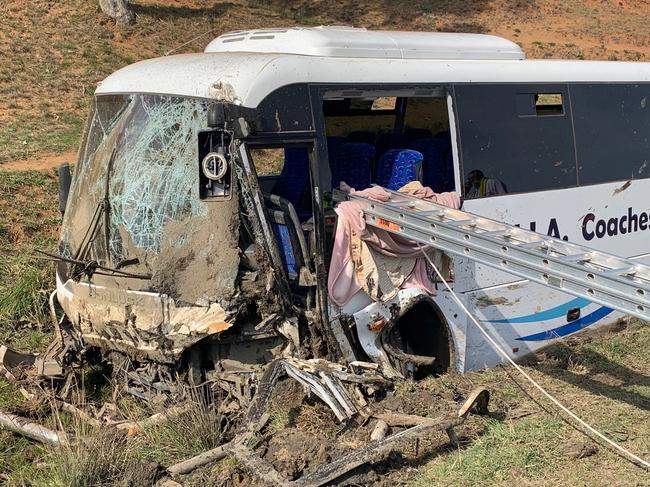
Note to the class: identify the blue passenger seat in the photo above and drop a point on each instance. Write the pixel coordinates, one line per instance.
(386, 166)
(294, 177)
(405, 167)
(386, 142)
(334, 143)
(353, 164)
(415, 133)
(434, 163)
(364, 136)
(286, 249)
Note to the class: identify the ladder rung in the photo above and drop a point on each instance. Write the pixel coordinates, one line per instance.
(504, 232)
(438, 213)
(621, 271)
(533, 245)
(460, 223)
(395, 204)
(583, 257)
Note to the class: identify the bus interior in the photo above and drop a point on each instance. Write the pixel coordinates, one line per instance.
(371, 138)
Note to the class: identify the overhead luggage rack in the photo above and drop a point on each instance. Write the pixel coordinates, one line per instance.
(603, 278)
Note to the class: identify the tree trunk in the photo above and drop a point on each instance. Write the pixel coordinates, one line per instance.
(119, 10)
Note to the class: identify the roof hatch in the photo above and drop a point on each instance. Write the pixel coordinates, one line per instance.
(350, 42)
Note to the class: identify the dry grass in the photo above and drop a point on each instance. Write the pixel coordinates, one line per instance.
(188, 432)
(52, 54)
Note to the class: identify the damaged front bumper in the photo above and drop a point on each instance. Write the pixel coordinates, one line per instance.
(143, 324)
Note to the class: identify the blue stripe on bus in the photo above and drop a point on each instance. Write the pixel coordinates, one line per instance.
(569, 328)
(549, 314)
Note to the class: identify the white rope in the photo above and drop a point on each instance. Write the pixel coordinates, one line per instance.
(498, 348)
(188, 42)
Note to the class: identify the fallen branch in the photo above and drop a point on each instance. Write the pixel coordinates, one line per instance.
(207, 457)
(79, 413)
(372, 452)
(202, 459)
(35, 431)
(396, 419)
(134, 428)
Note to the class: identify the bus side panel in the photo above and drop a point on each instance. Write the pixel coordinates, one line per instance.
(612, 217)
(526, 317)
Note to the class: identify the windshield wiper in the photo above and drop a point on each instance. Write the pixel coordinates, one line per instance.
(102, 209)
(91, 267)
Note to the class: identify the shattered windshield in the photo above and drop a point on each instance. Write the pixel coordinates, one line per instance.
(135, 190)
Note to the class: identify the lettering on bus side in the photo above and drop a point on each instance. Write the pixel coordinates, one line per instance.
(553, 229)
(631, 222)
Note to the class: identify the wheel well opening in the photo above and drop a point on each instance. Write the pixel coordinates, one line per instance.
(418, 341)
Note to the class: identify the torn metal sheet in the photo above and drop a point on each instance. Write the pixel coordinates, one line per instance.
(138, 320)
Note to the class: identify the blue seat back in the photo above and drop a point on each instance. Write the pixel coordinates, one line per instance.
(294, 178)
(385, 142)
(434, 162)
(364, 136)
(414, 133)
(334, 143)
(406, 167)
(353, 164)
(286, 250)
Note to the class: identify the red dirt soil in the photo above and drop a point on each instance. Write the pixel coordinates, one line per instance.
(44, 163)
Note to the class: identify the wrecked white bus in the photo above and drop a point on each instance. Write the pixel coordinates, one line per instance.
(200, 223)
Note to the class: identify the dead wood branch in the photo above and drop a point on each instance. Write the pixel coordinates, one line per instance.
(134, 428)
(205, 458)
(35, 431)
(372, 452)
(396, 419)
(77, 412)
(263, 470)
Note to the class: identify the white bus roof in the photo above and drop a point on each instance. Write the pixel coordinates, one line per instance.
(352, 42)
(227, 71)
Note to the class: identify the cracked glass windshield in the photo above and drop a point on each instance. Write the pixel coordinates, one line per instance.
(137, 173)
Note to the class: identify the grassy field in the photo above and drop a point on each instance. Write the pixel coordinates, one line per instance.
(606, 378)
(52, 54)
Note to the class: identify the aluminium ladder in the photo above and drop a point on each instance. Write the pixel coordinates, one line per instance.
(603, 278)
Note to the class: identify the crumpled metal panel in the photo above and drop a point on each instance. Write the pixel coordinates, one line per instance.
(134, 320)
(142, 152)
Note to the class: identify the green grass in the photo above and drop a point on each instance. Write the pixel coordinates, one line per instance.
(524, 448)
(604, 378)
(30, 221)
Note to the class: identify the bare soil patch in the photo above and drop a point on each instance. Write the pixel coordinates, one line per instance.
(45, 162)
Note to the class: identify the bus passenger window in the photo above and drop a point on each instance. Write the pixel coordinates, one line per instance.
(612, 126)
(366, 135)
(548, 104)
(539, 104)
(510, 143)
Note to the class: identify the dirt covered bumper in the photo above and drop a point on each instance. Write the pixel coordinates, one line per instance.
(139, 323)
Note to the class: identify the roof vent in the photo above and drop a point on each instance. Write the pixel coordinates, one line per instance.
(351, 42)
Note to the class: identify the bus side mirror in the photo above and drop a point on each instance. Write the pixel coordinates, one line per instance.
(65, 178)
